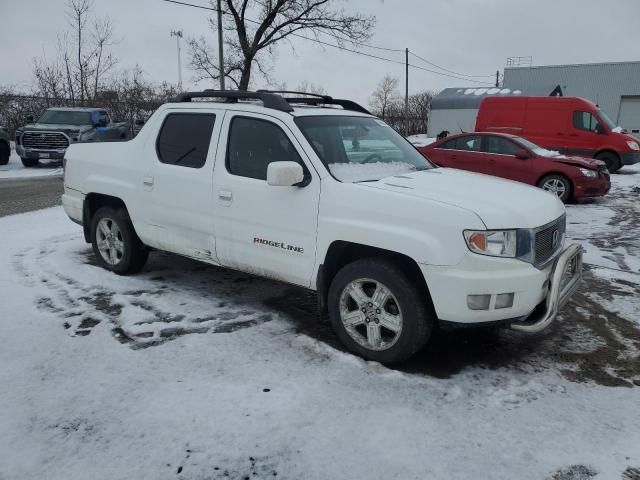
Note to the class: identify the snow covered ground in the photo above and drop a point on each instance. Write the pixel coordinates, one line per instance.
(193, 372)
(15, 169)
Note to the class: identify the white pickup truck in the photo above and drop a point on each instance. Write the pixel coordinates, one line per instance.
(317, 192)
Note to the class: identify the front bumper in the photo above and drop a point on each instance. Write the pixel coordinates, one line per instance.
(40, 154)
(586, 187)
(480, 275)
(630, 158)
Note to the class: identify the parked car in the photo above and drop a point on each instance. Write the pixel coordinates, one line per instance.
(334, 200)
(57, 128)
(569, 125)
(515, 158)
(5, 146)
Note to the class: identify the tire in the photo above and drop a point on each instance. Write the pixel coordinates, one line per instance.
(559, 185)
(405, 303)
(5, 153)
(611, 159)
(124, 252)
(29, 162)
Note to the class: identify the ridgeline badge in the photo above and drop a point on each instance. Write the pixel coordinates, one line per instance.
(281, 245)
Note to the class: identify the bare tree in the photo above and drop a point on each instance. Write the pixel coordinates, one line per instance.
(248, 39)
(77, 11)
(102, 37)
(308, 87)
(384, 95)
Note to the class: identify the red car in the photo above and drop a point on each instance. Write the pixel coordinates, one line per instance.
(515, 158)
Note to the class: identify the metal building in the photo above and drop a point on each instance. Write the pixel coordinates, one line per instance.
(615, 87)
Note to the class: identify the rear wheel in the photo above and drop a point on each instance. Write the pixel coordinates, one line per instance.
(377, 312)
(5, 153)
(559, 185)
(611, 159)
(115, 242)
(29, 162)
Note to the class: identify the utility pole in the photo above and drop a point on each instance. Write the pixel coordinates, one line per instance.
(220, 47)
(178, 35)
(497, 78)
(406, 93)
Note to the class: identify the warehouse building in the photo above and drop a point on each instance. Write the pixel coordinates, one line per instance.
(615, 87)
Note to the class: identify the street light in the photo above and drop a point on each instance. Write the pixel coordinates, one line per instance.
(178, 35)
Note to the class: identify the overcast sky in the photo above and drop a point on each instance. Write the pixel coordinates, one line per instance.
(469, 36)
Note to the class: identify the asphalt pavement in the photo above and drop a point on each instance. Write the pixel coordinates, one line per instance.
(27, 194)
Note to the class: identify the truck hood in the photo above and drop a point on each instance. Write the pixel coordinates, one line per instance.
(52, 127)
(500, 204)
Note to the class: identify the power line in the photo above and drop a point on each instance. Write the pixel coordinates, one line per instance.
(447, 70)
(357, 52)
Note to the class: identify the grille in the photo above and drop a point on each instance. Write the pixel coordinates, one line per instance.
(548, 240)
(45, 140)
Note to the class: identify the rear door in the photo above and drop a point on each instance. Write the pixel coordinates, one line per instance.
(177, 182)
(463, 152)
(502, 161)
(266, 230)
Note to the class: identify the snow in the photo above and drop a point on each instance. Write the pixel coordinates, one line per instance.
(15, 169)
(358, 172)
(421, 140)
(192, 373)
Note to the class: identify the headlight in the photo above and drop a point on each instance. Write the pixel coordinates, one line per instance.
(495, 243)
(633, 145)
(588, 173)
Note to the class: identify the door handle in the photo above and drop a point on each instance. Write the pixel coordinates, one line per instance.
(225, 195)
(148, 181)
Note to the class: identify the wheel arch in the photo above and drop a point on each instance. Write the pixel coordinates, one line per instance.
(341, 253)
(607, 150)
(95, 201)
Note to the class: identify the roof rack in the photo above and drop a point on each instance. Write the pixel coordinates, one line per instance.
(315, 99)
(268, 99)
(272, 99)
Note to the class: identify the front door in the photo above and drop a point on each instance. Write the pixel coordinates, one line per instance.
(177, 183)
(502, 160)
(266, 230)
(585, 134)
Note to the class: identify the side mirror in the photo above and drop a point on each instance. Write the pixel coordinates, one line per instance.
(139, 122)
(29, 119)
(102, 122)
(600, 130)
(522, 154)
(284, 174)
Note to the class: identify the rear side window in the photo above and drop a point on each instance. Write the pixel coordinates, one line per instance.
(585, 121)
(184, 139)
(470, 143)
(254, 144)
(501, 146)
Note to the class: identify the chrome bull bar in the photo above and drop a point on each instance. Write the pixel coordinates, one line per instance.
(565, 279)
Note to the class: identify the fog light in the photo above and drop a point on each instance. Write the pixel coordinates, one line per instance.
(504, 300)
(478, 302)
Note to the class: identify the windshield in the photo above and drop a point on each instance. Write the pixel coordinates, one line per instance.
(360, 149)
(606, 120)
(537, 149)
(65, 117)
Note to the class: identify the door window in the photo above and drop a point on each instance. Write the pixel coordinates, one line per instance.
(471, 143)
(586, 121)
(254, 144)
(501, 146)
(184, 139)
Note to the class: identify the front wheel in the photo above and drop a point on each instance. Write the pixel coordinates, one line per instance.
(5, 153)
(611, 160)
(115, 242)
(29, 162)
(559, 185)
(377, 312)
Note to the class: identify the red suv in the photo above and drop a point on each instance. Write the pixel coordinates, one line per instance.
(515, 158)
